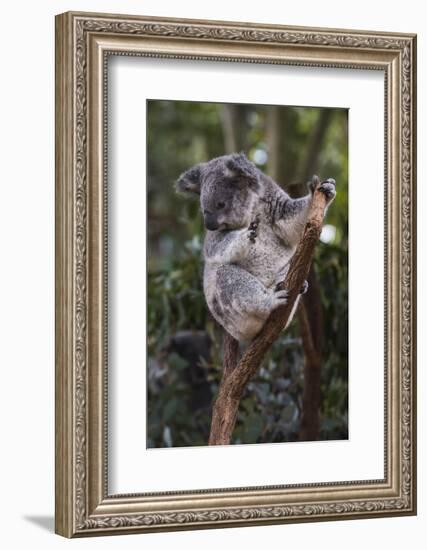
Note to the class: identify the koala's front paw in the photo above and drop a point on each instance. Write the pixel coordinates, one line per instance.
(279, 297)
(302, 290)
(253, 233)
(328, 187)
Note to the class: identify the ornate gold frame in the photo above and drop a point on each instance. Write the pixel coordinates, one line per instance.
(83, 42)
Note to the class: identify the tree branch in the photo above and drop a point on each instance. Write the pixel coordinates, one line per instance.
(235, 380)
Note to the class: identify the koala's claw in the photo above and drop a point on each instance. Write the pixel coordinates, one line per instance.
(279, 298)
(304, 288)
(328, 188)
(313, 183)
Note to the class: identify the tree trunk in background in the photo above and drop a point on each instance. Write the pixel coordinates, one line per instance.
(307, 165)
(310, 315)
(281, 160)
(310, 318)
(235, 127)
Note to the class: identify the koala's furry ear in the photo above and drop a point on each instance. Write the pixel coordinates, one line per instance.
(241, 167)
(190, 181)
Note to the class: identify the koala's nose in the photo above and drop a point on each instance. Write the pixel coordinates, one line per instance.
(211, 222)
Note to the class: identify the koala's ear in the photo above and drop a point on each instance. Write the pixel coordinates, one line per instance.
(241, 167)
(190, 181)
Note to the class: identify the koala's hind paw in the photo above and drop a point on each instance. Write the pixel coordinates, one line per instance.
(328, 187)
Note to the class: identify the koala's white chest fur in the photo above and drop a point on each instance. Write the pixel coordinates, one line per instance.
(267, 258)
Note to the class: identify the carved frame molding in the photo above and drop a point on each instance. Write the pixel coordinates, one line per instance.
(83, 43)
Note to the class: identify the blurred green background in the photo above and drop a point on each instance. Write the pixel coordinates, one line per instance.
(184, 342)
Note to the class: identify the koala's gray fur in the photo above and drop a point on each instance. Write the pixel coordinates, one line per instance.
(253, 229)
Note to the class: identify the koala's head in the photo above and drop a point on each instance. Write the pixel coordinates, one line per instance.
(228, 188)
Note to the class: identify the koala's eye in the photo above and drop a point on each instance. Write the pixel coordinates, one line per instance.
(220, 205)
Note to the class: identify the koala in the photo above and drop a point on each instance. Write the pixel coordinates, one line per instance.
(253, 229)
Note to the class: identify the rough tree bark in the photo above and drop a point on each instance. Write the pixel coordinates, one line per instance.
(235, 380)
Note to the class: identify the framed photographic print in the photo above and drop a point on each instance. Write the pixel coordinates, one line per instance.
(235, 274)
